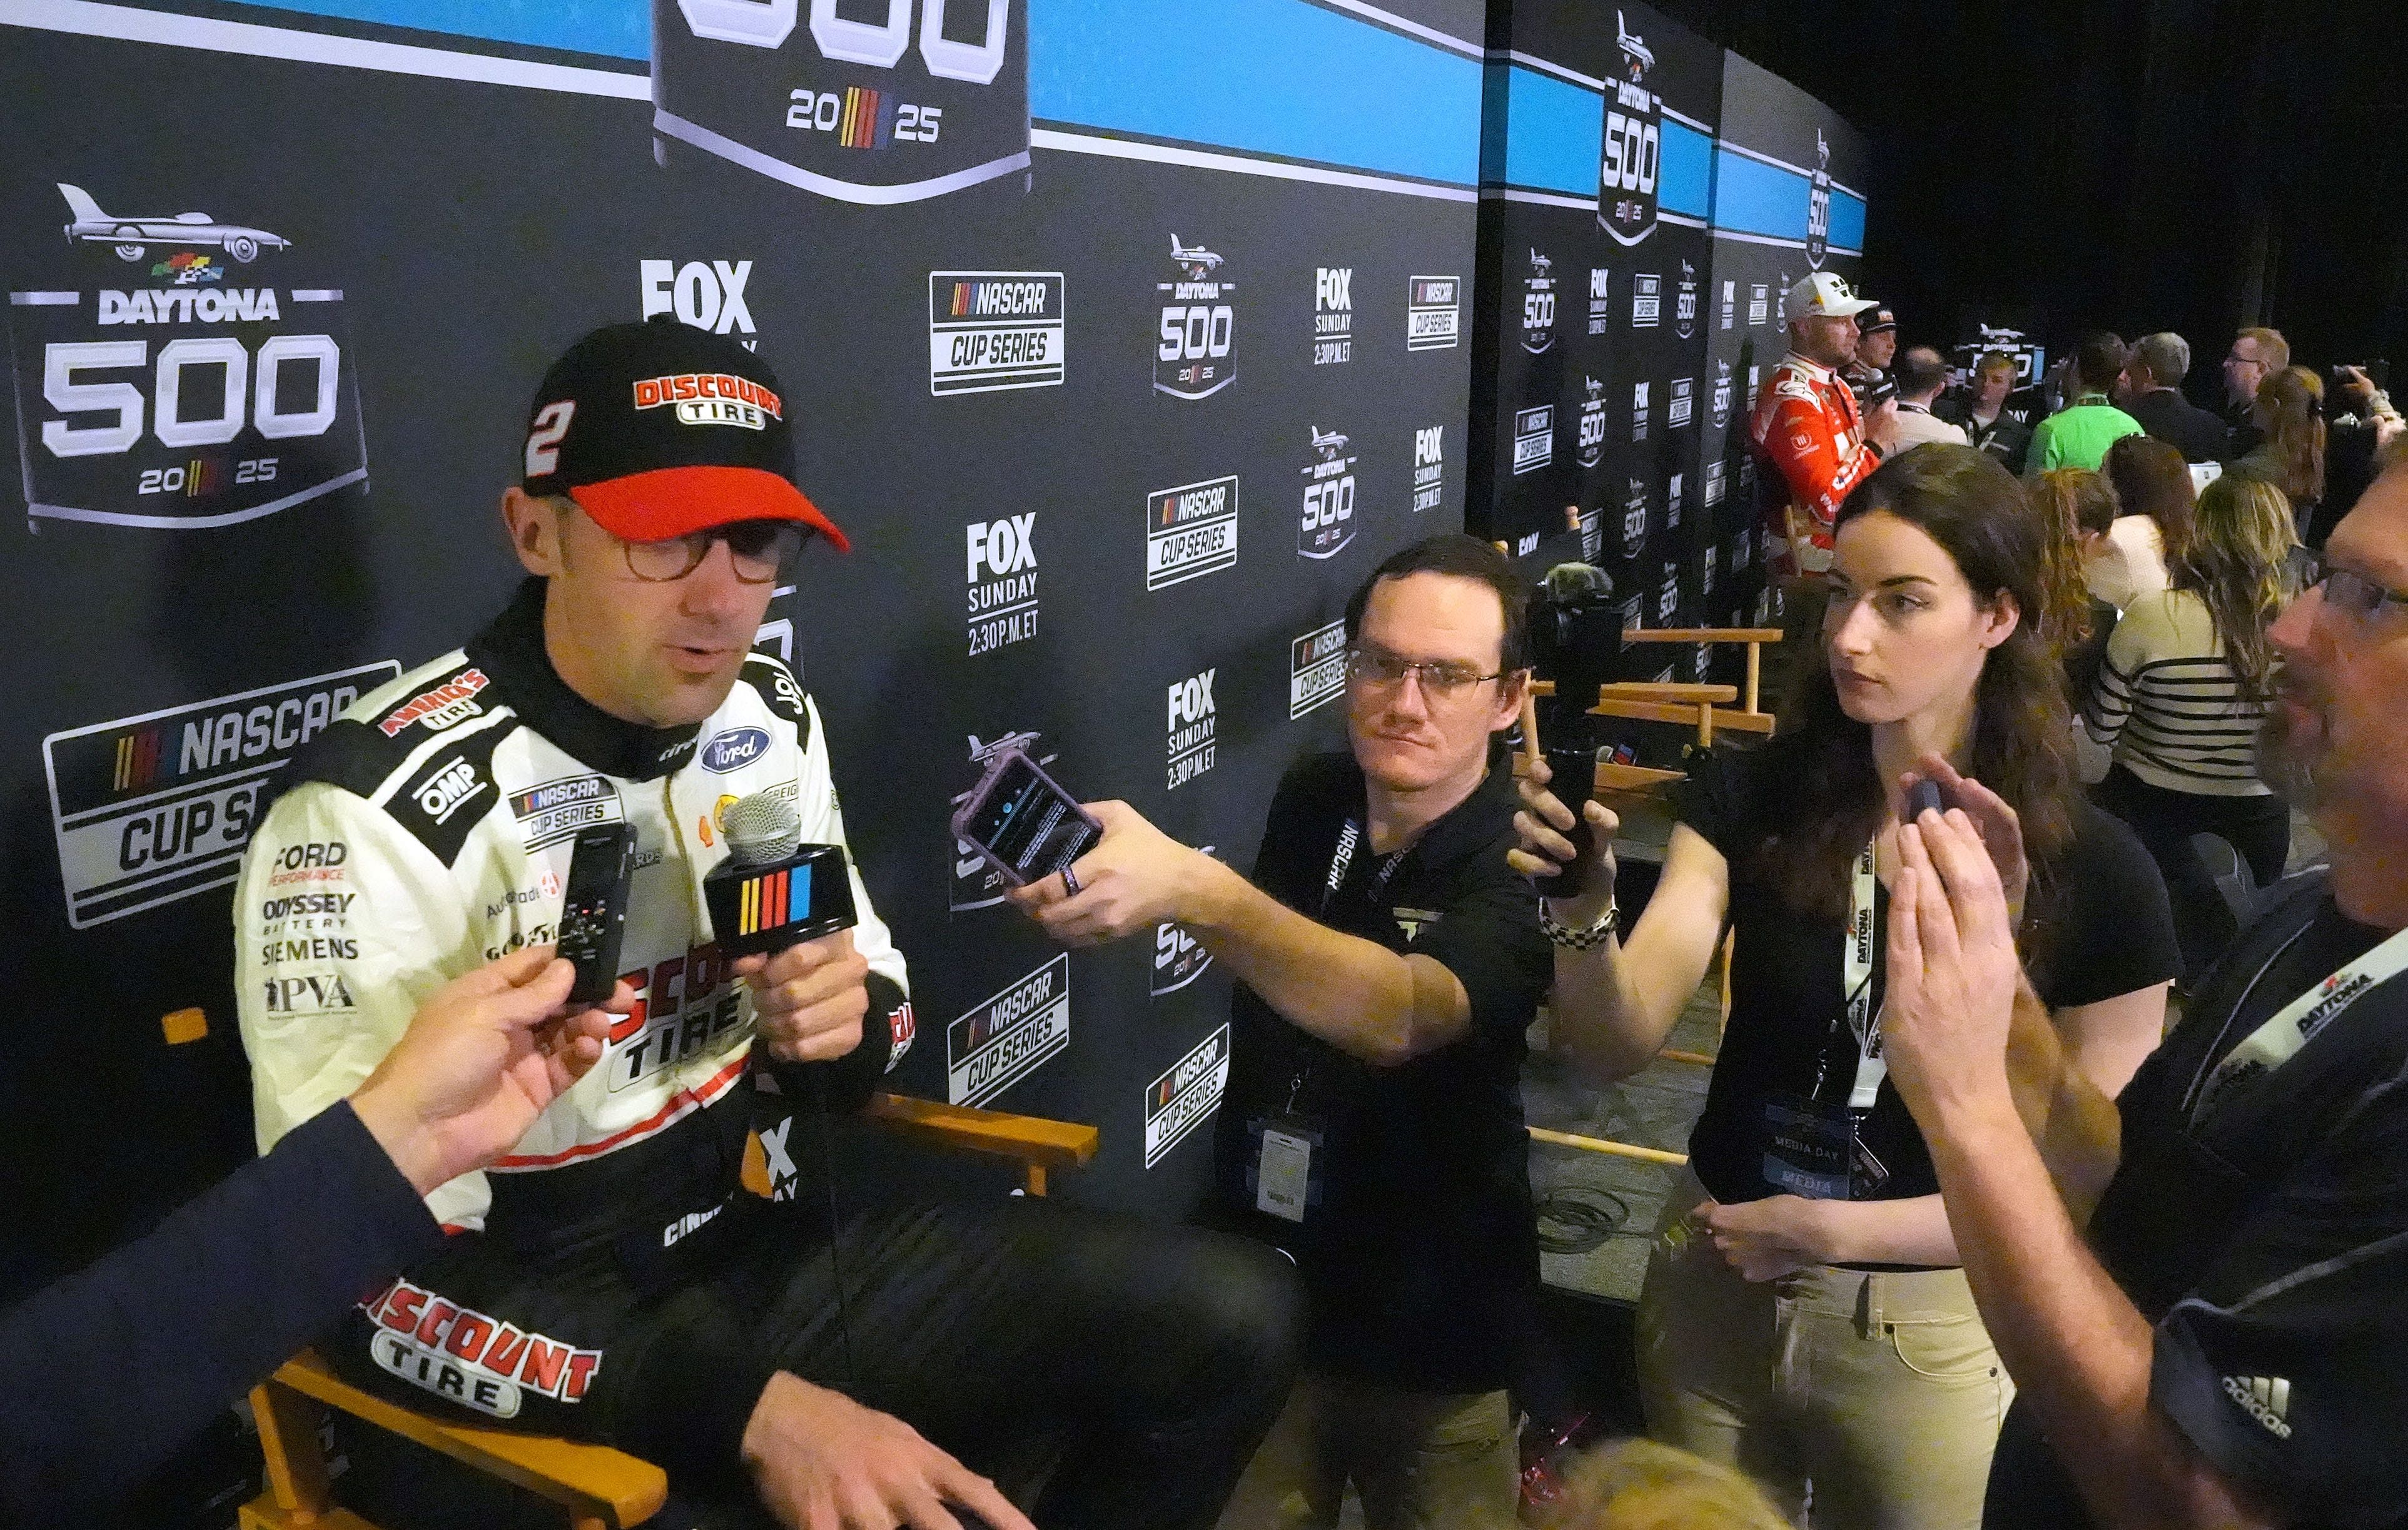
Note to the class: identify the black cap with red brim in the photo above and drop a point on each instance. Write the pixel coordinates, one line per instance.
(659, 430)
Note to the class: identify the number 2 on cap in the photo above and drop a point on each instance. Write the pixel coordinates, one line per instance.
(543, 442)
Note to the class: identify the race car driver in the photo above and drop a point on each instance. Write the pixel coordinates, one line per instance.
(608, 1279)
(1814, 443)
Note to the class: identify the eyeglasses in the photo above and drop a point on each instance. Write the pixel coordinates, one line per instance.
(2354, 595)
(758, 549)
(1377, 669)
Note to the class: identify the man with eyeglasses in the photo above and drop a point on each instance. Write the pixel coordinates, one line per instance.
(1388, 963)
(2223, 1341)
(607, 1278)
(2257, 353)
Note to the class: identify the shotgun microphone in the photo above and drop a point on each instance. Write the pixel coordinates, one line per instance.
(772, 892)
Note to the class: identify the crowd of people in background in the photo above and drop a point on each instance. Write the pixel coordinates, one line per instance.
(2169, 529)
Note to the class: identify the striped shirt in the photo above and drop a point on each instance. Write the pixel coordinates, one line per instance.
(2169, 704)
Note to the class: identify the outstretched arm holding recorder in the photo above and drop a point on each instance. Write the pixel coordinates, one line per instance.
(175, 1327)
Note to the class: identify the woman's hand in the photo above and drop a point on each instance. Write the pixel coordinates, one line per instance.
(1767, 1239)
(1543, 853)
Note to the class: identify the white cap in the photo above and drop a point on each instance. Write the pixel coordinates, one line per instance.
(1825, 295)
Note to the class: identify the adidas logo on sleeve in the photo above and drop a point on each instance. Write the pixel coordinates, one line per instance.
(2264, 1398)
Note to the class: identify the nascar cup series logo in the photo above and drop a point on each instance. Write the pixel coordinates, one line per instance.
(1534, 438)
(164, 379)
(1634, 518)
(1326, 524)
(707, 294)
(1591, 525)
(991, 331)
(1196, 339)
(1539, 306)
(1706, 575)
(1316, 669)
(1002, 1040)
(1714, 491)
(1002, 581)
(1640, 410)
(153, 808)
(1685, 302)
(1433, 313)
(1760, 305)
(1590, 448)
(1192, 723)
(1683, 404)
(1333, 315)
(1633, 146)
(974, 883)
(893, 106)
(1190, 531)
(1722, 399)
(1185, 1096)
(1429, 467)
(1646, 300)
(1600, 300)
(1818, 204)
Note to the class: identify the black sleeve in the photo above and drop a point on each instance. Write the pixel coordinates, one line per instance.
(850, 1080)
(1490, 940)
(1716, 798)
(106, 1374)
(2113, 930)
(2288, 1365)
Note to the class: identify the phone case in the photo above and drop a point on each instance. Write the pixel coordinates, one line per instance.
(976, 799)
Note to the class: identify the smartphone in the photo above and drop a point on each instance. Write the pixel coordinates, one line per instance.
(1023, 822)
(593, 912)
(1573, 778)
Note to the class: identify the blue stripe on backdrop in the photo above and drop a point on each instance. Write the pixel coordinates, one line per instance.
(1685, 171)
(1753, 198)
(1553, 133)
(1275, 77)
(1272, 76)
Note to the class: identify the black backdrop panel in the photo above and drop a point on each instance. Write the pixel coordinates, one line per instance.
(419, 247)
(1788, 199)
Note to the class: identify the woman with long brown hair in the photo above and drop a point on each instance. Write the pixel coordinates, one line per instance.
(2181, 697)
(2076, 510)
(2290, 409)
(1809, 1199)
(2157, 514)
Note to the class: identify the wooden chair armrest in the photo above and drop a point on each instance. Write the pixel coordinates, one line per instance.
(587, 1480)
(1701, 634)
(1721, 695)
(1682, 712)
(1031, 1140)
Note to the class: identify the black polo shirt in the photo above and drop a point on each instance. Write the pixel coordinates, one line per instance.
(2112, 933)
(2268, 1242)
(1421, 1258)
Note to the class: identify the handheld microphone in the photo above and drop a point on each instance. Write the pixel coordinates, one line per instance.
(773, 892)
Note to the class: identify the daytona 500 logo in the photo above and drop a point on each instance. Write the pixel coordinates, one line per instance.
(166, 378)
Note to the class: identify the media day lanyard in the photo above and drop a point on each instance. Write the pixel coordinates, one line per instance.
(1857, 972)
(2298, 1022)
(1342, 860)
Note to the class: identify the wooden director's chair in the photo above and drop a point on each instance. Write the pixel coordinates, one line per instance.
(1620, 787)
(598, 1488)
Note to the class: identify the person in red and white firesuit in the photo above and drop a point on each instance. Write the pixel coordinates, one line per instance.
(1814, 446)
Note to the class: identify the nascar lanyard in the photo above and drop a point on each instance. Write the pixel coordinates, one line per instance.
(1856, 973)
(2299, 1022)
(1342, 861)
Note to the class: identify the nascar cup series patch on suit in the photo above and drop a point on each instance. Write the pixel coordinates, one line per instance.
(879, 102)
(179, 370)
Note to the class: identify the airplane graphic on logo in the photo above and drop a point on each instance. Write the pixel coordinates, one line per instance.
(1635, 52)
(1198, 261)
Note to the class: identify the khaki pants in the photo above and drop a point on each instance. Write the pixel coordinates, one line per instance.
(1882, 1392)
(1420, 1460)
